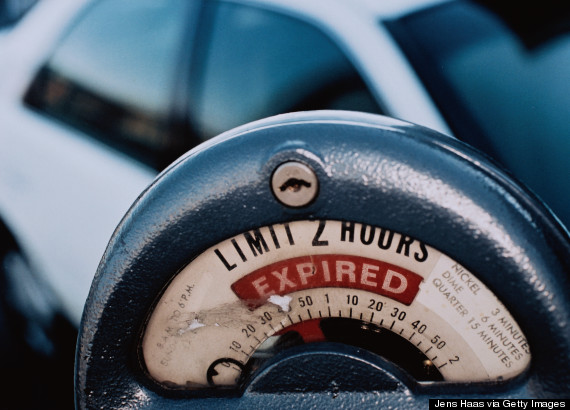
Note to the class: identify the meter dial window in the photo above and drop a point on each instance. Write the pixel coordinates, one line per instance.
(249, 297)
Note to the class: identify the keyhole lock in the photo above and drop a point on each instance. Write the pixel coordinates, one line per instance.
(294, 184)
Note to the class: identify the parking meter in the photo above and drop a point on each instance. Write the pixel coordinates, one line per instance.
(328, 259)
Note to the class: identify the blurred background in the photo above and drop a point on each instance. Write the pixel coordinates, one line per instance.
(97, 97)
(12, 10)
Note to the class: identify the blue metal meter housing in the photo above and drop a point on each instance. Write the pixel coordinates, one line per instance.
(371, 169)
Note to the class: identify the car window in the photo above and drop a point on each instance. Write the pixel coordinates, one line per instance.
(507, 99)
(11, 11)
(114, 74)
(255, 63)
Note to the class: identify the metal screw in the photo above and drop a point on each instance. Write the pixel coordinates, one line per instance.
(294, 184)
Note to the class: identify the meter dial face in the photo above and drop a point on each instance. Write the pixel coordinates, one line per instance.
(255, 294)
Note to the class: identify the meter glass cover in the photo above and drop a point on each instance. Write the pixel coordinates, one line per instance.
(250, 296)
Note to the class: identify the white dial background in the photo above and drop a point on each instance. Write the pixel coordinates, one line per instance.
(202, 325)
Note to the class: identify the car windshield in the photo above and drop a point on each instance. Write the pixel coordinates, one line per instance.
(498, 94)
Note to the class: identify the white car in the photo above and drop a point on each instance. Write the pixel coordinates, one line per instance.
(96, 97)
